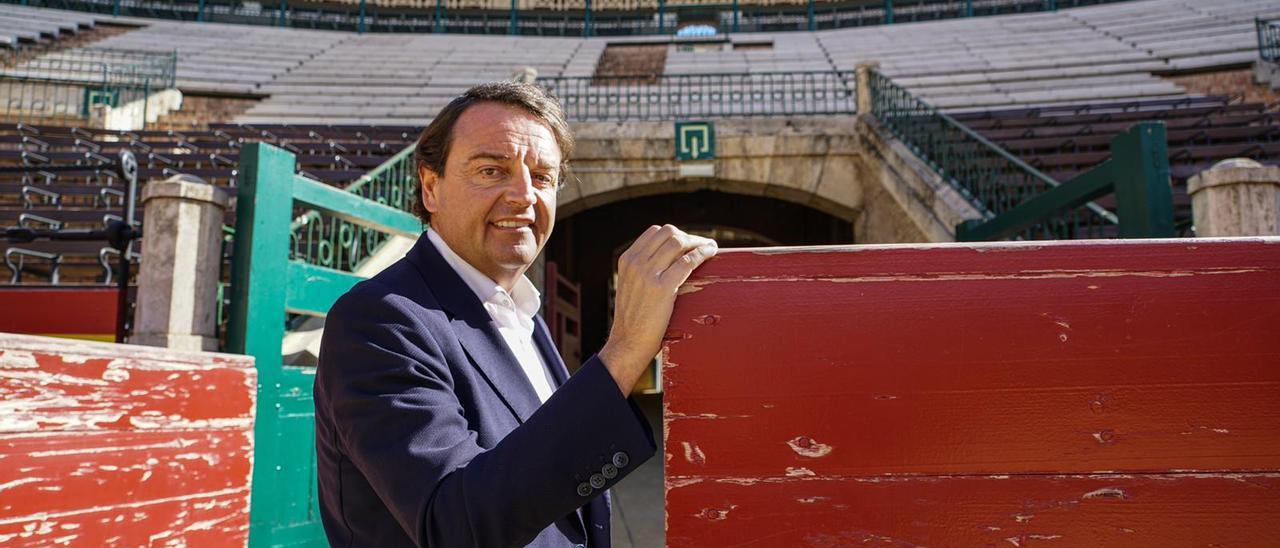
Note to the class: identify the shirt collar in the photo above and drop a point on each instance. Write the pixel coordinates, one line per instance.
(526, 297)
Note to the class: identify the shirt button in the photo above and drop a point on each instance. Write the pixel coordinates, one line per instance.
(609, 471)
(584, 490)
(621, 460)
(597, 481)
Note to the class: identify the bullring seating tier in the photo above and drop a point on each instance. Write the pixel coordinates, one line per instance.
(20, 25)
(86, 199)
(1066, 141)
(1093, 54)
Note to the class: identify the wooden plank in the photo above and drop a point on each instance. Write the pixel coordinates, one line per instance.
(1005, 510)
(790, 369)
(28, 311)
(104, 444)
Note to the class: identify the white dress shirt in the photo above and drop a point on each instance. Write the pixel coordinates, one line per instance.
(512, 313)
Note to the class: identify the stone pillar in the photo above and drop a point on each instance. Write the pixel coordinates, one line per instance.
(181, 250)
(863, 77)
(1237, 197)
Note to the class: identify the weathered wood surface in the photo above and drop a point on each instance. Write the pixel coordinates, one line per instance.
(1085, 393)
(117, 445)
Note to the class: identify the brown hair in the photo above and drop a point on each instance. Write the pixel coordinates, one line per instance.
(432, 148)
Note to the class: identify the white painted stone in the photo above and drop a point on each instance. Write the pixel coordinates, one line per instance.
(178, 280)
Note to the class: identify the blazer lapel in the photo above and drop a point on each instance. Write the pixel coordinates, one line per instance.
(475, 330)
(550, 356)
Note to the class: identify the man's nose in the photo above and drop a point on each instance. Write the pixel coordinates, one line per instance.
(520, 189)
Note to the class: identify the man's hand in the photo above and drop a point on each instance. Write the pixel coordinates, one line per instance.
(649, 273)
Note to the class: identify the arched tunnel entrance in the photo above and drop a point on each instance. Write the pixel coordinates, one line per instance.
(585, 245)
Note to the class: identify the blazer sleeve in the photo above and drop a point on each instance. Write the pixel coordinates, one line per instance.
(389, 396)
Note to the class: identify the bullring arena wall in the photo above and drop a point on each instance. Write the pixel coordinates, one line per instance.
(106, 444)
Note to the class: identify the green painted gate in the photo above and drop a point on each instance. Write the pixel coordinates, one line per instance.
(298, 245)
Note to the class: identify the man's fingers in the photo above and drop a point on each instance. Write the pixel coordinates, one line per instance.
(684, 265)
(678, 244)
(648, 242)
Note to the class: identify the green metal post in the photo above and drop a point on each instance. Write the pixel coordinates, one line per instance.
(662, 19)
(115, 8)
(439, 23)
(586, 23)
(258, 285)
(514, 27)
(200, 12)
(888, 12)
(809, 15)
(1051, 5)
(360, 25)
(1140, 168)
(735, 16)
(284, 11)
(968, 8)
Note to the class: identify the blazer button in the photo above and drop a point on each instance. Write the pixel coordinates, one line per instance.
(621, 460)
(609, 471)
(597, 481)
(584, 490)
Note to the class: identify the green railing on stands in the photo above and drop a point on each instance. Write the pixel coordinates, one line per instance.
(330, 241)
(683, 96)
(39, 85)
(1268, 39)
(271, 279)
(577, 19)
(1016, 200)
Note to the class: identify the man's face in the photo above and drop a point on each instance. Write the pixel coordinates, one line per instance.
(495, 203)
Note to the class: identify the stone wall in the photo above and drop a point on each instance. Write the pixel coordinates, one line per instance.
(840, 165)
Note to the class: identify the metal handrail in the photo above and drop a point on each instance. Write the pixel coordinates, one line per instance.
(664, 97)
(1268, 39)
(324, 240)
(991, 179)
(581, 19)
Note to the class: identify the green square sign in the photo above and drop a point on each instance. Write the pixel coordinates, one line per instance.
(695, 141)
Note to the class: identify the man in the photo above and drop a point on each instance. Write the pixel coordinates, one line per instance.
(444, 416)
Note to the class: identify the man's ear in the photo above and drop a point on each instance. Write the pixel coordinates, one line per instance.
(430, 197)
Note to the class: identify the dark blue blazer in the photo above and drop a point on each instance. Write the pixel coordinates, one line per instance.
(428, 433)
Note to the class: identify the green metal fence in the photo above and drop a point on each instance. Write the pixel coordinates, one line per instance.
(683, 96)
(1017, 200)
(331, 241)
(656, 17)
(66, 85)
(1268, 39)
(276, 273)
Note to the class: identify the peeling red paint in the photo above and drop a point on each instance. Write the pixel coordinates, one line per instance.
(106, 444)
(959, 397)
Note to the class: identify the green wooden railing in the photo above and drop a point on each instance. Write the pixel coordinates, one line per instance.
(271, 279)
(1015, 199)
(1268, 39)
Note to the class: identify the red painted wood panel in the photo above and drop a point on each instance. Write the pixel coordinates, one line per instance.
(59, 310)
(925, 393)
(116, 445)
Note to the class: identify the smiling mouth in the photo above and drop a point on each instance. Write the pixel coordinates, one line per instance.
(512, 224)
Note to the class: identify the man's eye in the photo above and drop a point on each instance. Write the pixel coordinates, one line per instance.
(490, 171)
(545, 179)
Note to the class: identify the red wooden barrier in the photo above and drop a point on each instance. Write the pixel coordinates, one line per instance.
(1089, 393)
(115, 445)
(81, 312)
